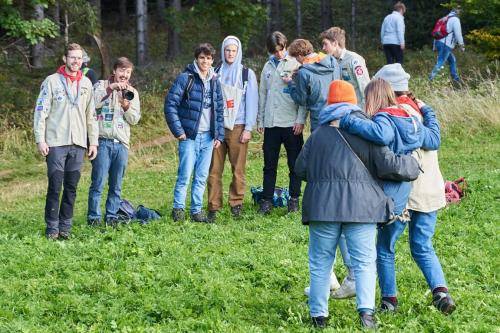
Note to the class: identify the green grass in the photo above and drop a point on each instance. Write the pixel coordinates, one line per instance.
(243, 275)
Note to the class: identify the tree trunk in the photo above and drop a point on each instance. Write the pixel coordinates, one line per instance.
(160, 11)
(66, 28)
(141, 12)
(326, 14)
(276, 15)
(174, 41)
(353, 24)
(97, 9)
(56, 15)
(104, 52)
(123, 14)
(269, 18)
(37, 49)
(298, 11)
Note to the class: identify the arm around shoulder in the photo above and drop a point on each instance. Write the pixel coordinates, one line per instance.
(394, 167)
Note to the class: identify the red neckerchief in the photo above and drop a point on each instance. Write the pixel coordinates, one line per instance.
(398, 112)
(76, 78)
(407, 100)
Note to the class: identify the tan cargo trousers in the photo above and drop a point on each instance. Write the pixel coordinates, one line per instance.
(237, 152)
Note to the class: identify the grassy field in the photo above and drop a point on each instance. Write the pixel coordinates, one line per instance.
(242, 275)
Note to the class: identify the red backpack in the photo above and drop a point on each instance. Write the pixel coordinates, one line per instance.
(440, 31)
(454, 190)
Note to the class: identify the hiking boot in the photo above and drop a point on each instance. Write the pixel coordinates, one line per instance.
(368, 320)
(212, 216)
(178, 214)
(199, 217)
(319, 322)
(293, 205)
(388, 305)
(64, 235)
(443, 302)
(334, 285)
(265, 207)
(346, 290)
(94, 222)
(52, 236)
(112, 222)
(236, 210)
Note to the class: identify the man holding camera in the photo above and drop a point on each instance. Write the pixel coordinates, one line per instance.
(117, 107)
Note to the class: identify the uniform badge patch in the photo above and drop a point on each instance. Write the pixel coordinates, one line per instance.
(358, 70)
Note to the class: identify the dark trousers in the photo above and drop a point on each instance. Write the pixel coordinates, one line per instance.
(273, 138)
(63, 167)
(393, 53)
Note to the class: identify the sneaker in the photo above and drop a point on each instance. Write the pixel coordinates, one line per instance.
(334, 285)
(386, 305)
(212, 216)
(94, 222)
(265, 207)
(64, 235)
(199, 217)
(178, 214)
(319, 322)
(443, 302)
(293, 205)
(236, 210)
(368, 320)
(112, 222)
(52, 236)
(346, 290)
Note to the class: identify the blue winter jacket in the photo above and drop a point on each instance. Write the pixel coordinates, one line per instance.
(183, 113)
(401, 133)
(311, 84)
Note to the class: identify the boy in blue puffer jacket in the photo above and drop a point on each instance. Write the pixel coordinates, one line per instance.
(194, 112)
(390, 126)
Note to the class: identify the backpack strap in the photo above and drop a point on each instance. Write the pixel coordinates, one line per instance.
(189, 86)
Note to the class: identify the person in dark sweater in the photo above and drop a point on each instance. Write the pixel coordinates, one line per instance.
(344, 195)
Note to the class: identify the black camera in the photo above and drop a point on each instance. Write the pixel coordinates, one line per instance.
(127, 94)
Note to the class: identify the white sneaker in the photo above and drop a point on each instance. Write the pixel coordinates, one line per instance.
(346, 290)
(334, 285)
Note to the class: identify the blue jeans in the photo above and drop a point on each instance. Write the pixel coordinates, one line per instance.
(323, 241)
(345, 256)
(111, 160)
(194, 155)
(422, 226)
(445, 53)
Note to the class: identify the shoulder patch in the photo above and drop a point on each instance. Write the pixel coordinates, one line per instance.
(359, 70)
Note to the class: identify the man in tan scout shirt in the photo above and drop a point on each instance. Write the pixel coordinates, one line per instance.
(117, 107)
(64, 120)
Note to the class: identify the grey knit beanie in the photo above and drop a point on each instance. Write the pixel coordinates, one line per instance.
(395, 75)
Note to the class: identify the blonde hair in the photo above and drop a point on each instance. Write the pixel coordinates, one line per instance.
(334, 34)
(379, 95)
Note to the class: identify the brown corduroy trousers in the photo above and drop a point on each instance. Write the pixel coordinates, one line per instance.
(237, 152)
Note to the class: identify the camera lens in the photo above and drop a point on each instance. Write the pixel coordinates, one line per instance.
(127, 94)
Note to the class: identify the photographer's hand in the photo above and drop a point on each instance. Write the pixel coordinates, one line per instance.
(125, 104)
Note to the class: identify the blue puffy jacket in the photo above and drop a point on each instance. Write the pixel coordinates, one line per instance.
(311, 84)
(183, 114)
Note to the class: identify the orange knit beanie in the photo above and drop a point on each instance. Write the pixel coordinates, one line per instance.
(341, 92)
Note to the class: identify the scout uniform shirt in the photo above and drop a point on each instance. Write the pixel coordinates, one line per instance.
(276, 106)
(64, 113)
(114, 122)
(354, 71)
